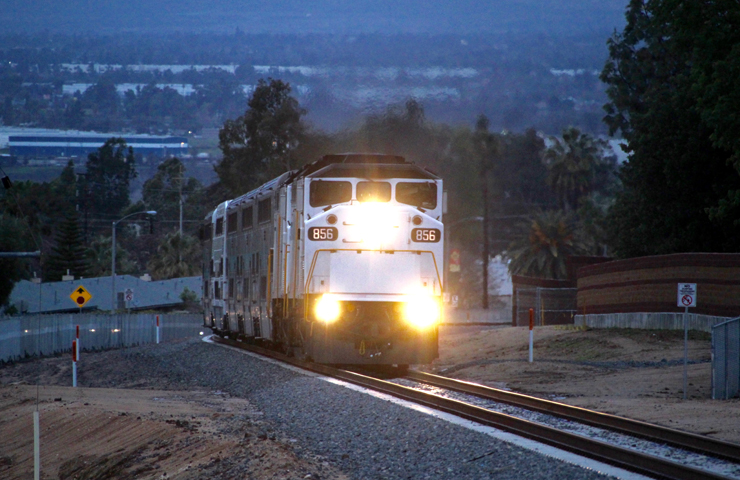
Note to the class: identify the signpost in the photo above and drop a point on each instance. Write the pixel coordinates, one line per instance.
(80, 296)
(128, 296)
(686, 299)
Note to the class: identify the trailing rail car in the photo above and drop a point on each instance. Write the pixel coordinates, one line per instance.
(339, 262)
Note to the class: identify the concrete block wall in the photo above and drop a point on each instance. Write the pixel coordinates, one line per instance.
(649, 321)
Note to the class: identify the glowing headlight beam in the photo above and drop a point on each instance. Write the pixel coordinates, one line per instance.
(327, 309)
(422, 311)
(376, 224)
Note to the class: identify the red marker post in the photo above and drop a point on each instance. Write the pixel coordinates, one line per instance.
(77, 338)
(74, 363)
(531, 335)
(157, 329)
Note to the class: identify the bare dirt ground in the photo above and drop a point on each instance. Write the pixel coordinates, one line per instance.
(91, 433)
(632, 373)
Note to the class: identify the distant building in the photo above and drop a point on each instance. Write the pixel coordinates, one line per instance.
(82, 145)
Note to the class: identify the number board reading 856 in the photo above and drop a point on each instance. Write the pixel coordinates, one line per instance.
(425, 235)
(323, 233)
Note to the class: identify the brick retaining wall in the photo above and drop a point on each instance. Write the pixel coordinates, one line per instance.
(649, 284)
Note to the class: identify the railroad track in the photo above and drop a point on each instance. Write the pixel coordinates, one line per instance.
(628, 459)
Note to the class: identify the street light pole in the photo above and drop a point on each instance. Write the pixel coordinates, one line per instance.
(113, 256)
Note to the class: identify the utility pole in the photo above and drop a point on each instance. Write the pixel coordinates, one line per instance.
(485, 237)
(179, 250)
(182, 173)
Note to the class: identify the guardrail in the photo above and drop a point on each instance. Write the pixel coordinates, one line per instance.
(40, 335)
(726, 359)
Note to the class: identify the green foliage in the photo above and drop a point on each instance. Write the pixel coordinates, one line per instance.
(517, 185)
(14, 237)
(69, 254)
(109, 174)
(43, 204)
(176, 257)
(545, 243)
(188, 296)
(162, 193)
(99, 256)
(190, 300)
(671, 76)
(572, 166)
(261, 144)
(152, 108)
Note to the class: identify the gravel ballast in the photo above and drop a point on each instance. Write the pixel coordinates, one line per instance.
(364, 436)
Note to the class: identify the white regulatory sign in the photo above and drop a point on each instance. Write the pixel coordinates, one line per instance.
(686, 294)
(129, 295)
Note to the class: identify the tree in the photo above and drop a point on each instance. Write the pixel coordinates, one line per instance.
(99, 257)
(177, 256)
(14, 237)
(573, 164)
(260, 144)
(671, 76)
(69, 254)
(109, 173)
(545, 242)
(518, 186)
(163, 191)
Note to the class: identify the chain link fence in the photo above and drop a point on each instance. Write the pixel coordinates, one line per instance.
(552, 306)
(726, 359)
(40, 335)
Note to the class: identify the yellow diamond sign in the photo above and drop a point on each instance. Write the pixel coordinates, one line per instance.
(80, 296)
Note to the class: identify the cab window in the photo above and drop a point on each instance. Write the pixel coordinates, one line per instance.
(324, 192)
(374, 192)
(422, 195)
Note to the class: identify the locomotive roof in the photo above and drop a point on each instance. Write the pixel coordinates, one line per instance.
(374, 165)
(374, 171)
(344, 165)
(259, 190)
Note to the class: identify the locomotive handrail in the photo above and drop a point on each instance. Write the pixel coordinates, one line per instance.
(269, 283)
(316, 254)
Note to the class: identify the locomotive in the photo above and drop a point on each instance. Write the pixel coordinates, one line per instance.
(338, 262)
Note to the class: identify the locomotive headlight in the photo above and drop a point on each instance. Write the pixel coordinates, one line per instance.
(422, 311)
(376, 224)
(327, 309)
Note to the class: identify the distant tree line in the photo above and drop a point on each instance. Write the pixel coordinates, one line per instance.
(514, 87)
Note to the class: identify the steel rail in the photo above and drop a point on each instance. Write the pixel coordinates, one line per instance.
(655, 433)
(621, 457)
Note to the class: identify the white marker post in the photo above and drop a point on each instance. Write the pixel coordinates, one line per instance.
(157, 329)
(686, 299)
(531, 335)
(36, 445)
(74, 363)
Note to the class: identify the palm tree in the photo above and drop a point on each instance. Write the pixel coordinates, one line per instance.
(546, 241)
(573, 165)
(177, 256)
(99, 255)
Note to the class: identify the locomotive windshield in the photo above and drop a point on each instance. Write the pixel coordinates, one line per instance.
(329, 193)
(417, 194)
(374, 192)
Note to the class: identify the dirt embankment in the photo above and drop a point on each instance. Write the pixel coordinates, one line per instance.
(634, 373)
(89, 433)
